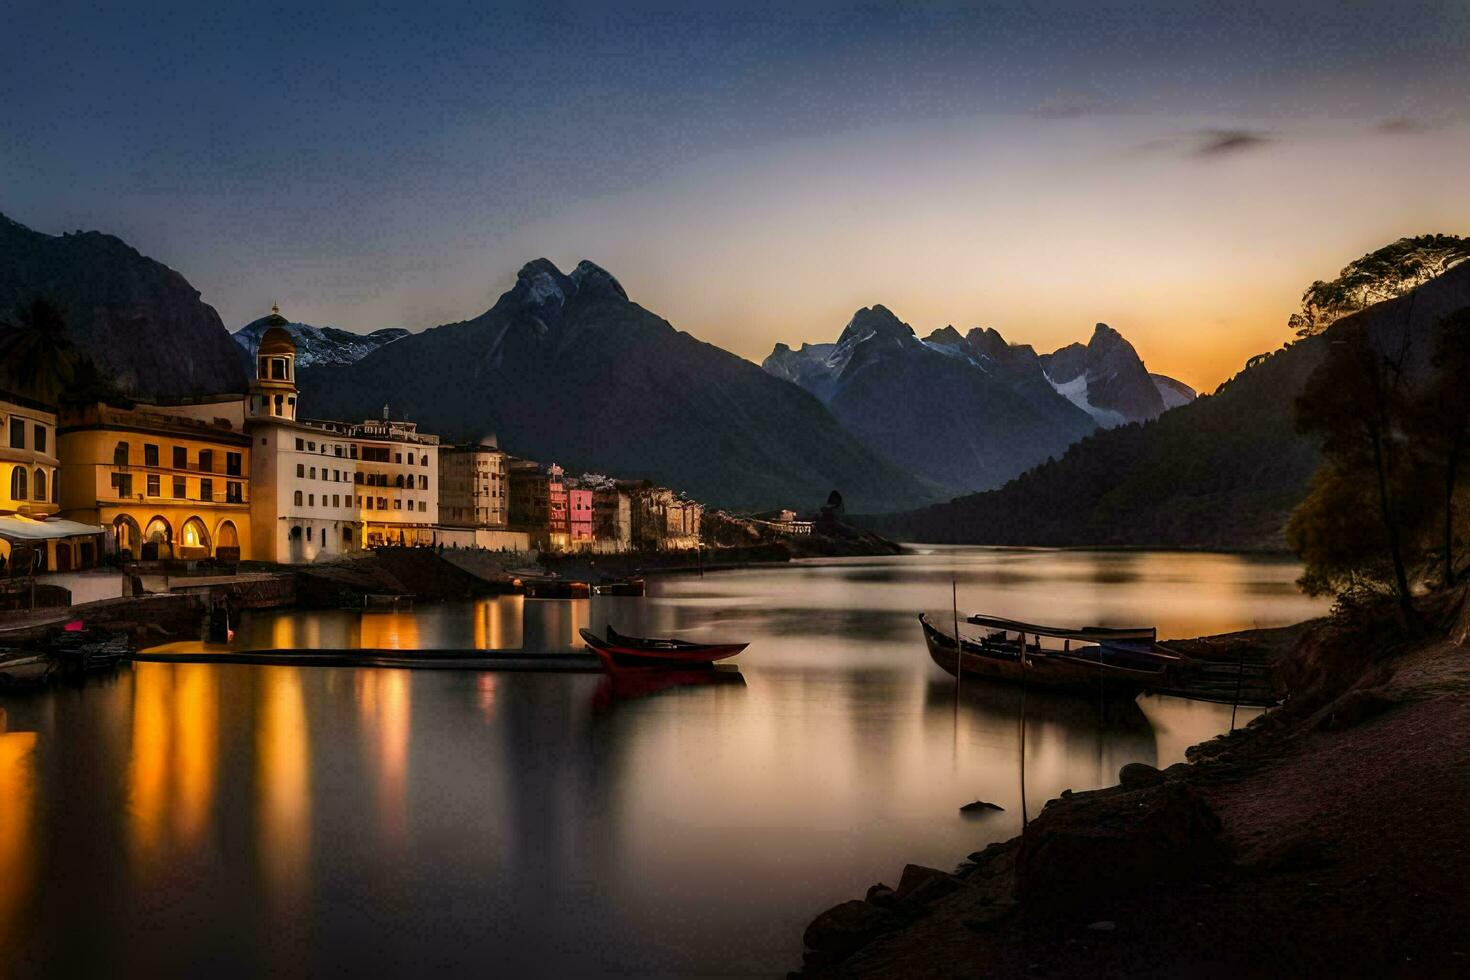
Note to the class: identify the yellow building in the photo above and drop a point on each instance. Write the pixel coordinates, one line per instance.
(28, 461)
(166, 481)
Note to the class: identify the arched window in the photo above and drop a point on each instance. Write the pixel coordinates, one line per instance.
(399, 481)
(18, 483)
(120, 454)
(40, 487)
(228, 536)
(194, 534)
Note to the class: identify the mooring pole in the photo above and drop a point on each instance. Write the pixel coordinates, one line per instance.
(954, 599)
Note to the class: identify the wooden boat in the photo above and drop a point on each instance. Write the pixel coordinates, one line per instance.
(1121, 662)
(619, 652)
(25, 670)
(625, 587)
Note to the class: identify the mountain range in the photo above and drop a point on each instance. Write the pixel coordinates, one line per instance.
(1224, 471)
(134, 314)
(318, 345)
(972, 411)
(565, 368)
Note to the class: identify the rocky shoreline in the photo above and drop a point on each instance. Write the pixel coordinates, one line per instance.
(1327, 838)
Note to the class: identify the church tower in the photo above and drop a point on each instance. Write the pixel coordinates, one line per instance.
(273, 392)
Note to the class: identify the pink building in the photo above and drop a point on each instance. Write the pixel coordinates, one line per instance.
(579, 504)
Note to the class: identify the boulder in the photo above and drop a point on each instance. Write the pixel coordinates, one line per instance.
(881, 895)
(1137, 774)
(981, 806)
(1082, 853)
(920, 885)
(844, 928)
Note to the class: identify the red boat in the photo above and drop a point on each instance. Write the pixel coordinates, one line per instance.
(619, 652)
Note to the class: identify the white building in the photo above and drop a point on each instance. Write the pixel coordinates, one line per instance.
(326, 489)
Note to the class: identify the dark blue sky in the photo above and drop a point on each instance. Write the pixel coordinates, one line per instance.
(367, 161)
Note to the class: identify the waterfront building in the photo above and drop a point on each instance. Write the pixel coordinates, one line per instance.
(558, 513)
(474, 488)
(28, 458)
(327, 489)
(612, 514)
(30, 494)
(579, 518)
(166, 481)
(662, 520)
(529, 509)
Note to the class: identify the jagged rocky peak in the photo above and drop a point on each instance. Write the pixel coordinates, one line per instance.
(541, 283)
(317, 345)
(876, 320)
(589, 276)
(987, 342)
(946, 336)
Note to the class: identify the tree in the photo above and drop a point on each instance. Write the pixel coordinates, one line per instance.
(36, 358)
(1388, 272)
(1441, 424)
(1356, 401)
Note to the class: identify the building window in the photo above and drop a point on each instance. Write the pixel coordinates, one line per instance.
(181, 458)
(122, 483)
(206, 460)
(336, 500)
(206, 489)
(311, 447)
(313, 472)
(40, 487)
(40, 438)
(352, 452)
(311, 500)
(382, 503)
(423, 507)
(278, 405)
(55, 489)
(423, 482)
(232, 464)
(278, 369)
(152, 484)
(397, 457)
(301, 470)
(337, 450)
(298, 498)
(369, 503)
(17, 434)
(119, 452)
(410, 459)
(300, 444)
(398, 503)
(233, 493)
(150, 454)
(181, 488)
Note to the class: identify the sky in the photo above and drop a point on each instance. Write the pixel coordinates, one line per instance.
(753, 172)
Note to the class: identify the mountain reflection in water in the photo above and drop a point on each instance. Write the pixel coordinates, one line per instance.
(232, 820)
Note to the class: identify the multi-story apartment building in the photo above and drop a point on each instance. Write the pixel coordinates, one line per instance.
(28, 458)
(579, 518)
(167, 481)
(474, 485)
(325, 489)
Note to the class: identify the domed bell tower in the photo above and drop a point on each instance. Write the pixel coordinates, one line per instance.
(273, 392)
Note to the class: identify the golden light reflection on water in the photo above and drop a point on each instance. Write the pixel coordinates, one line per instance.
(397, 630)
(283, 781)
(384, 708)
(499, 623)
(174, 756)
(17, 799)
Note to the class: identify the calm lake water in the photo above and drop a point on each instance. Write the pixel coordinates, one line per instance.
(231, 820)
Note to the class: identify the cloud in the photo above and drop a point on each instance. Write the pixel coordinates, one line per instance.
(1211, 143)
(1403, 126)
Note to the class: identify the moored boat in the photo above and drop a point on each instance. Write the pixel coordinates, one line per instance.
(619, 652)
(1121, 662)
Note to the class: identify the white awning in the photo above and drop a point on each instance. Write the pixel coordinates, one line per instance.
(14, 527)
